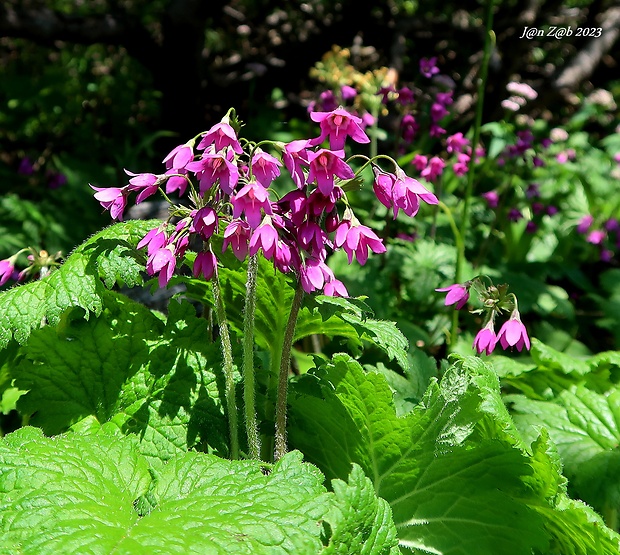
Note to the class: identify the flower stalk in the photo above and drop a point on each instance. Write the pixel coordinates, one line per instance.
(285, 365)
(229, 387)
(249, 394)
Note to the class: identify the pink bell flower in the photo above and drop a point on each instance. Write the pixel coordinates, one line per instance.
(265, 168)
(513, 333)
(485, 339)
(237, 234)
(205, 265)
(338, 125)
(222, 135)
(7, 267)
(113, 199)
(356, 240)
(324, 165)
(458, 295)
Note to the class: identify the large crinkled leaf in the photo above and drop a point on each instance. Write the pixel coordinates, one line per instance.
(550, 372)
(159, 379)
(585, 427)
(109, 255)
(454, 470)
(83, 494)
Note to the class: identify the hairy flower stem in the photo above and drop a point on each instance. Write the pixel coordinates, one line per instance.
(489, 43)
(231, 404)
(249, 393)
(285, 365)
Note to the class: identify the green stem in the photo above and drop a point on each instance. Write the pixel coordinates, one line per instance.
(285, 365)
(460, 253)
(248, 361)
(229, 387)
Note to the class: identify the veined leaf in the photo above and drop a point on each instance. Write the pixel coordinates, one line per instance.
(101, 261)
(81, 493)
(454, 470)
(159, 379)
(585, 426)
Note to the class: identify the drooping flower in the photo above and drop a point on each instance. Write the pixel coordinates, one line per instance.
(179, 157)
(461, 166)
(514, 215)
(383, 186)
(492, 198)
(438, 111)
(513, 333)
(456, 143)
(222, 135)
(420, 162)
(584, 224)
(324, 165)
(295, 156)
(312, 238)
(335, 288)
(265, 167)
(177, 181)
(249, 201)
(7, 267)
(458, 295)
(409, 128)
(146, 183)
(264, 237)
(356, 240)
(407, 193)
(25, 166)
(313, 274)
(162, 261)
(347, 92)
(237, 235)
(405, 96)
(434, 169)
(338, 125)
(113, 199)
(596, 237)
(205, 264)
(485, 339)
(154, 240)
(204, 222)
(214, 166)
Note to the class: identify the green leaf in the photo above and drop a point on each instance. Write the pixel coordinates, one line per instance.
(161, 380)
(361, 521)
(585, 426)
(454, 470)
(334, 316)
(109, 256)
(449, 494)
(60, 495)
(85, 493)
(551, 372)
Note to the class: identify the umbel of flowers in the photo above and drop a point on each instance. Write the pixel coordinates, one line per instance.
(495, 301)
(227, 182)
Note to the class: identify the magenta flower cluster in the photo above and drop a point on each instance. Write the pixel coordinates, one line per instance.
(228, 182)
(511, 334)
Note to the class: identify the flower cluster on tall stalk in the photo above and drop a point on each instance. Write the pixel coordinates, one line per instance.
(225, 183)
